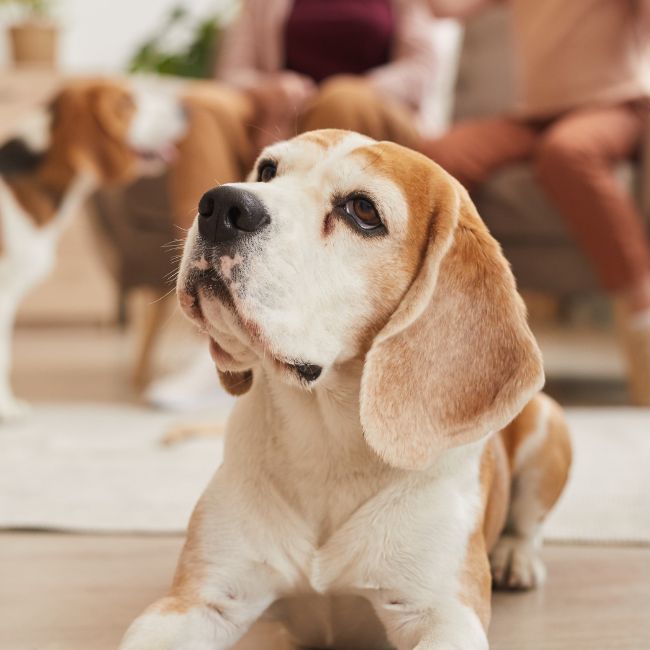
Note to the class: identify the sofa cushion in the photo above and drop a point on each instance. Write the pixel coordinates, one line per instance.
(516, 208)
(485, 79)
(555, 268)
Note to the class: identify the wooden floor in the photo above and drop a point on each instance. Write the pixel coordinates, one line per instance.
(67, 592)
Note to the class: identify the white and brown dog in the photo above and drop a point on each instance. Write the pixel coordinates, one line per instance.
(100, 132)
(391, 435)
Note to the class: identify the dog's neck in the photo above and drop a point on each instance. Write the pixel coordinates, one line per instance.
(326, 416)
(314, 447)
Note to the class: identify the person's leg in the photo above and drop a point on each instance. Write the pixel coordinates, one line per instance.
(215, 149)
(574, 164)
(471, 151)
(351, 103)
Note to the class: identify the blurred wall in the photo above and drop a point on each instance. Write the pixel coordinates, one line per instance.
(101, 35)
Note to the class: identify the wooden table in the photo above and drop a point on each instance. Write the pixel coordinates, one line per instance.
(21, 90)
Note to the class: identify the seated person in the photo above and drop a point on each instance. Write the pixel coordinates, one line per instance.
(364, 65)
(583, 107)
(287, 66)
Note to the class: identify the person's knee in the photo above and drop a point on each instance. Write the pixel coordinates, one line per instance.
(340, 87)
(560, 154)
(338, 104)
(456, 152)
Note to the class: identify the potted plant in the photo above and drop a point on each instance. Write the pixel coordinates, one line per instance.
(184, 45)
(33, 37)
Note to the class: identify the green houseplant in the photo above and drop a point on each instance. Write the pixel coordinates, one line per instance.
(33, 38)
(183, 46)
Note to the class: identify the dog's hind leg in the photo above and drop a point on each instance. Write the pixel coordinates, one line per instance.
(539, 452)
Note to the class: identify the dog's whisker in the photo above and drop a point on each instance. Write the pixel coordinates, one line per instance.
(264, 131)
(174, 243)
(172, 314)
(165, 295)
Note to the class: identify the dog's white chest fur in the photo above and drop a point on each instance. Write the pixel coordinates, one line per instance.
(332, 519)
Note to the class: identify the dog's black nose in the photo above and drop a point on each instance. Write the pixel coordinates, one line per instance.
(228, 212)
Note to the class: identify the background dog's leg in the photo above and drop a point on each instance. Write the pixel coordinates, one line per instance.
(540, 467)
(10, 407)
(154, 315)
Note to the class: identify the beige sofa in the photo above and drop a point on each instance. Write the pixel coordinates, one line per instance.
(532, 233)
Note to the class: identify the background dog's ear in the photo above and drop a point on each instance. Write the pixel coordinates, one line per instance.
(113, 108)
(90, 121)
(456, 360)
(236, 383)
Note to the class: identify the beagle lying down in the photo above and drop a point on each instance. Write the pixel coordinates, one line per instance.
(390, 435)
(101, 132)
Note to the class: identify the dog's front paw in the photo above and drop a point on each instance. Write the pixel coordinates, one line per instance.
(12, 408)
(152, 631)
(516, 564)
(170, 624)
(168, 631)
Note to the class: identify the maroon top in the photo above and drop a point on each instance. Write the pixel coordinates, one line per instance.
(327, 37)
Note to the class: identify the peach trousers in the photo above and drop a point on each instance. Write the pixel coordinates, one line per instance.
(573, 157)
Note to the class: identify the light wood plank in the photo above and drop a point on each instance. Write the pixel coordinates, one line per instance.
(68, 592)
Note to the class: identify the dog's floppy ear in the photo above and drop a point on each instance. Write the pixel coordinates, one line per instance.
(113, 108)
(456, 360)
(89, 127)
(236, 383)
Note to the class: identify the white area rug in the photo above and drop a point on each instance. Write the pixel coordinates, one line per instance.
(608, 495)
(102, 468)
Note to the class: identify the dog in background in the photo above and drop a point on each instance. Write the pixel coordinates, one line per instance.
(390, 436)
(100, 132)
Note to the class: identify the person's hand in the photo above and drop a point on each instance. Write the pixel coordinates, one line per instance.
(281, 94)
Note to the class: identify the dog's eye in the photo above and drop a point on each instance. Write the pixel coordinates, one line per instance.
(267, 172)
(363, 212)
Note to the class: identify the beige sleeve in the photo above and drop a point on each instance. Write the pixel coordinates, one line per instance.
(237, 63)
(407, 76)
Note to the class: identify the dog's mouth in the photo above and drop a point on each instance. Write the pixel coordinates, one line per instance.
(191, 299)
(165, 153)
(153, 161)
(208, 303)
(219, 355)
(188, 299)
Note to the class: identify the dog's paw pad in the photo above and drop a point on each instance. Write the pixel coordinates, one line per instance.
(516, 564)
